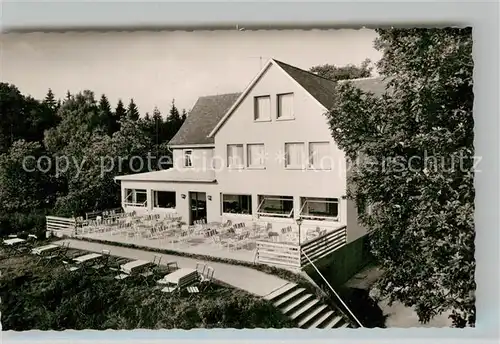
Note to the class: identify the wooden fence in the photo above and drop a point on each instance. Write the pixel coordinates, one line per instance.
(276, 253)
(60, 226)
(323, 245)
(293, 255)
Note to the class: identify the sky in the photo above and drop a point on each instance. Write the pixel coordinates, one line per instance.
(155, 67)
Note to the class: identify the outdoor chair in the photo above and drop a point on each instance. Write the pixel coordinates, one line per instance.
(200, 267)
(206, 278)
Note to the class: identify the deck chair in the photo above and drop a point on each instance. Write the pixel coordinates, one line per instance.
(200, 267)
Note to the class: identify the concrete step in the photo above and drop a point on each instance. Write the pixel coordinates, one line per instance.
(312, 315)
(288, 297)
(304, 309)
(320, 319)
(280, 291)
(296, 303)
(333, 323)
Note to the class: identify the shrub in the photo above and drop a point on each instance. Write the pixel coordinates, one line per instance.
(17, 223)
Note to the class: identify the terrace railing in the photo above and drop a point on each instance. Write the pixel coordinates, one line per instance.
(323, 245)
(293, 255)
(276, 253)
(60, 226)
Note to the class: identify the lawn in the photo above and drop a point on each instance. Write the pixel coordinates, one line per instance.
(49, 297)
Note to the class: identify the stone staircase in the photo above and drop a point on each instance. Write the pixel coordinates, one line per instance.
(305, 309)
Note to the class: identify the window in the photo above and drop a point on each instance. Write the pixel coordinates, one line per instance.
(235, 156)
(255, 155)
(237, 204)
(280, 206)
(319, 155)
(294, 155)
(136, 197)
(262, 108)
(187, 158)
(319, 208)
(164, 199)
(285, 106)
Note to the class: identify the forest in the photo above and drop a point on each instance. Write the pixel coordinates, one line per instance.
(51, 153)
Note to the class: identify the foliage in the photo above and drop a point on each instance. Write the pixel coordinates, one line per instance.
(412, 153)
(31, 222)
(132, 111)
(350, 71)
(38, 297)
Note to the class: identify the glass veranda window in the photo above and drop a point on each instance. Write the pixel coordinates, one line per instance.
(237, 204)
(136, 197)
(280, 206)
(164, 199)
(319, 208)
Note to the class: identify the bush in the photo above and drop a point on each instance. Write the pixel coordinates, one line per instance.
(17, 223)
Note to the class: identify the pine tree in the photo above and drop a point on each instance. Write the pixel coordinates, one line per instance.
(132, 111)
(50, 100)
(120, 111)
(68, 95)
(184, 115)
(108, 120)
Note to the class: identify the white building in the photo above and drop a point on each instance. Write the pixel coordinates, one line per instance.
(264, 153)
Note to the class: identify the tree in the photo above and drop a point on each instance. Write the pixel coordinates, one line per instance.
(108, 119)
(23, 186)
(132, 111)
(174, 122)
(120, 111)
(184, 115)
(350, 71)
(50, 100)
(412, 153)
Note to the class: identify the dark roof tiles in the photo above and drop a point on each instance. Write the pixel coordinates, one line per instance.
(204, 116)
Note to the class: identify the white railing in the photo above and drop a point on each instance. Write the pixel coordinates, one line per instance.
(323, 245)
(276, 253)
(333, 290)
(60, 225)
(133, 204)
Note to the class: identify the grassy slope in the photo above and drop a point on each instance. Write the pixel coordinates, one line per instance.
(37, 297)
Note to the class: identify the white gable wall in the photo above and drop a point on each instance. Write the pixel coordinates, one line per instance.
(310, 125)
(201, 158)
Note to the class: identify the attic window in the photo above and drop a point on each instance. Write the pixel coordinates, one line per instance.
(262, 108)
(285, 106)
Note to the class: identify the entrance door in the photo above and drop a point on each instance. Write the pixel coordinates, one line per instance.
(198, 204)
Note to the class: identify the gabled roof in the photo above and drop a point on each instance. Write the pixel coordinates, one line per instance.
(320, 88)
(204, 116)
(376, 85)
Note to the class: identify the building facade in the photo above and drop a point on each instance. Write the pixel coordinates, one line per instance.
(266, 153)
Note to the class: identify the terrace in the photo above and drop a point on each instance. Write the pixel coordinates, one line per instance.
(252, 241)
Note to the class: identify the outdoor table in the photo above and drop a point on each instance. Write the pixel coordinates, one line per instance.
(46, 248)
(129, 267)
(13, 241)
(175, 276)
(87, 257)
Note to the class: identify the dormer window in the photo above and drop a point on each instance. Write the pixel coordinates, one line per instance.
(285, 106)
(262, 108)
(187, 158)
